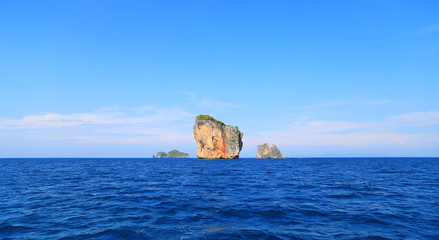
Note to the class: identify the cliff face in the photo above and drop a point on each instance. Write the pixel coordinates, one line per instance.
(265, 152)
(215, 140)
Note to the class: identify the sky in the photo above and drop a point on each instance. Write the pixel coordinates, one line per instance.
(127, 78)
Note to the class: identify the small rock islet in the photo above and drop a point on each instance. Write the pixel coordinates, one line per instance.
(266, 152)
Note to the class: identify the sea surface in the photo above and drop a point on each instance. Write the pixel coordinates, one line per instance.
(311, 198)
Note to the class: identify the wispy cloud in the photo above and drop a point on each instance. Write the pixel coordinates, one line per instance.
(170, 138)
(417, 119)
(143, 125)
(391, 131)
(339, 103)
(103, 116)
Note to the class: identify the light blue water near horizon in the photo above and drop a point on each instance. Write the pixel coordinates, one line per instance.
(311, 198)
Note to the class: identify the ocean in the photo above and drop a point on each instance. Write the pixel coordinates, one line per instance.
(310, 198)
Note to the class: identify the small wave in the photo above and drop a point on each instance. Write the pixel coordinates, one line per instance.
(270, 214)
(246, 234)
(373, 237)
(273, 214)
(366, 219)
(313, 213)
(343, 196)
(111, 234)
(13, 229)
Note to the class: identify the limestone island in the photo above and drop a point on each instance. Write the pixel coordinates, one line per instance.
(216, 140)
(266, 152)
(172, 154)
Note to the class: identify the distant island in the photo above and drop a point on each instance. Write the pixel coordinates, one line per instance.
(268, 152)
(171, 154)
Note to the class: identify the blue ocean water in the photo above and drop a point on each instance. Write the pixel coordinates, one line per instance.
(315, 198)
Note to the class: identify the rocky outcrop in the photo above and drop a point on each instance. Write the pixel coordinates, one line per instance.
(215, 140)
(172, 154)
(266, 152)
(161, 155)
(177, 154)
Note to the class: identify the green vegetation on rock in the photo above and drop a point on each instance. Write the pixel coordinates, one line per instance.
(177, 154)
(161, 155)
(172, 154)
(207, 117)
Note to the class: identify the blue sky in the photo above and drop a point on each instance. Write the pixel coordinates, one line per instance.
(127, 78)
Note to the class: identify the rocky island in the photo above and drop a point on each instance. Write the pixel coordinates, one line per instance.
(266, 152)
(177, 154)
(172, 154)
(216, 140)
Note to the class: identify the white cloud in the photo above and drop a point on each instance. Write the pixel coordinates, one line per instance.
(338, 103)
(418, 119)
(141, 125)
(392, 131)
(180, 138)
(104, 116)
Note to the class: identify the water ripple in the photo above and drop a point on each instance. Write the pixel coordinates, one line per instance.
(387, 198)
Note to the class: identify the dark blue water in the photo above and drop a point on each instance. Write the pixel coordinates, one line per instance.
(396, 198)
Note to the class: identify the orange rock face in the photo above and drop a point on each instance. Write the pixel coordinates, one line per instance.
(216, 140)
